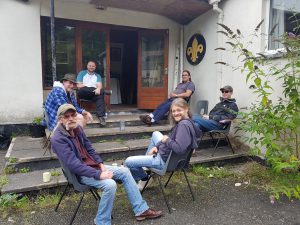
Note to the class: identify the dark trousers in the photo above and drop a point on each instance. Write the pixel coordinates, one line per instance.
(162, 109)
(87, 93)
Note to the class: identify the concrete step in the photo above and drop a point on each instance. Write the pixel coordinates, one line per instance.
(114, 118)
(27, 152)
(32, 181)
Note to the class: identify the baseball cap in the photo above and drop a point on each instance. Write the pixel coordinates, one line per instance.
(64, 108)
(227, 88)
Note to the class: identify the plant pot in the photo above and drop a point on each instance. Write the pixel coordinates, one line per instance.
(37, 131)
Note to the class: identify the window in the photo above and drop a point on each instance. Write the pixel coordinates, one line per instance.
(285, 14)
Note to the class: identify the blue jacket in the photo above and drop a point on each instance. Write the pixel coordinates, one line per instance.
(56, 98)
(182, 137)
(66, 150)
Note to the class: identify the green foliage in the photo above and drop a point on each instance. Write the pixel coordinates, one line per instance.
(55, 173)
(10, 170)
(24, 170)
(37, 120)
(12, 160)
(3, 180)
(13, 200)
(273, 127)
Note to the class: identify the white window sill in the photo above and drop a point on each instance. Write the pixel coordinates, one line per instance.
(273, 54)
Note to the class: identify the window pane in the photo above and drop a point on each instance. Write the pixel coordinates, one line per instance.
(65, 51)
(94, 48)
(284, 14)
(153, 61)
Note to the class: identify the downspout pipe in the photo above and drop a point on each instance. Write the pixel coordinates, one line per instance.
(53, 55)
(219, 72)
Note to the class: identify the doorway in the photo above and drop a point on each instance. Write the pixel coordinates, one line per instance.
(123, 67)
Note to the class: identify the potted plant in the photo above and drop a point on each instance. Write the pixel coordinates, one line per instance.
(36, 128)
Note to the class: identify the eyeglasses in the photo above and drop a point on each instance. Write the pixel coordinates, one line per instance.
(68, 116)
(225, 92)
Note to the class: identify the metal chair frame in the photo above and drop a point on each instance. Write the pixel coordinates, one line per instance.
(174, 163)
(77, 186)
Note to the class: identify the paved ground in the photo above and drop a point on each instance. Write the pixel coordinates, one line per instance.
(218, 202)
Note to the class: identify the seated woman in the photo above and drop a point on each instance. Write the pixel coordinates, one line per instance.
(182, 137)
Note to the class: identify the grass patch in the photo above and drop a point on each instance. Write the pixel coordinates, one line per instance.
(103, 141)
(12, 160)
(212, 172)
(24, 170)
(55, 173)
(3, 180)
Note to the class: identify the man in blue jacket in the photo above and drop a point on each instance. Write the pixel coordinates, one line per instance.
(72, 147)
(62, 93)
(222, 114)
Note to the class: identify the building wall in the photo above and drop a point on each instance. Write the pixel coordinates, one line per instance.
(21, 94)
(208, 76)
(20, 62)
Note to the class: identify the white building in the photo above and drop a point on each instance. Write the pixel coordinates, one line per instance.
(146, 41)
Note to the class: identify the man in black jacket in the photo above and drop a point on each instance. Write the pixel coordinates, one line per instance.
(223, 112)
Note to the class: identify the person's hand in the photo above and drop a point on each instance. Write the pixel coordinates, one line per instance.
(224, 121)
(206, 117)
(173, 95)
(153, 151)
(164, 138)
(97, 91)
(102, 167)
(88, 116)
(106, 175)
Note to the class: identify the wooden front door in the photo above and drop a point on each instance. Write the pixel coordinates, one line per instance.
(152, 68)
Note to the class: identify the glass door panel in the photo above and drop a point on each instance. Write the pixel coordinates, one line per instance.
(94, 48)
(153, 61)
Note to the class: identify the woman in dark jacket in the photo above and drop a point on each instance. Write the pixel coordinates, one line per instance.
(183, 136)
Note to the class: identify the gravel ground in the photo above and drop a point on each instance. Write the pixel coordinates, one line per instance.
(218, 202)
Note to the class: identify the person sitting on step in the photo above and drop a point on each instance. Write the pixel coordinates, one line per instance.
(223, 112)
(184, 90)
(183, 136)
(89, 85)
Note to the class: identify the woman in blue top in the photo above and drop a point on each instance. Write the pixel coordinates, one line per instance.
(182, 137)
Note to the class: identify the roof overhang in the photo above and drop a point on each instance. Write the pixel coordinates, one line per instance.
(181, 11)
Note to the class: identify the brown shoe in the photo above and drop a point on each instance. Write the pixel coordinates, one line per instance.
(149, 214)
(146, 119)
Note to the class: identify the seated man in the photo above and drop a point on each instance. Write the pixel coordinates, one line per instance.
(183, 90)
(89, 84)
(222, 114)
(72, 147)
(62, 93)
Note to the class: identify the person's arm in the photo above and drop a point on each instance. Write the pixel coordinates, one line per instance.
(79, 79)
(62, 147)
(182, 139)
(98, 85)
(74, 103)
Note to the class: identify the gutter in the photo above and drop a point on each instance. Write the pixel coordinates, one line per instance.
(219, 71)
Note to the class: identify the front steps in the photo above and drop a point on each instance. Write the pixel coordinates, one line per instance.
(26, 155)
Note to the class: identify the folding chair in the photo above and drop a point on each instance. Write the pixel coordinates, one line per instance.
(77, 186)
(202, 105)
(174, 163)
(225, 133)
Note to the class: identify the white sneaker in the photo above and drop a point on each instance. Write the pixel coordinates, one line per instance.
(141, 184)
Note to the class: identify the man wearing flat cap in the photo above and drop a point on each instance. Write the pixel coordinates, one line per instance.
(222, 114)
(73, 148)
(62, 93)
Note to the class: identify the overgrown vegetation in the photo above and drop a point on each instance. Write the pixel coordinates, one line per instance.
(273, 127)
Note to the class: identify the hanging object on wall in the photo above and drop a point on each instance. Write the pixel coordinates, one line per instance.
(195, 49)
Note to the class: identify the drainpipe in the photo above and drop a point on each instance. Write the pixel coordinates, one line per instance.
(53, 56)
(219, 72)
(181, 51)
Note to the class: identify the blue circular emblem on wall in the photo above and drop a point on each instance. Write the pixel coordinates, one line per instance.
(195, 49)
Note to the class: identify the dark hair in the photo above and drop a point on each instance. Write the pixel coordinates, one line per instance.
(180, 102)
(190, 79)
(93, 61)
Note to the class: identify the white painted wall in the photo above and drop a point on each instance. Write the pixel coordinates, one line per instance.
(241, 14)
(21, 94)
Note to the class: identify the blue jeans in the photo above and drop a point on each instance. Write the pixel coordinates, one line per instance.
(136, 163)
(109, 187)
(206, 125)
(162, 109)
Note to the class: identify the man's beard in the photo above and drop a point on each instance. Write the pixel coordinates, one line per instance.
(68, 127)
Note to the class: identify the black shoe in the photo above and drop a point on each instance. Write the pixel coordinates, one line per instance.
(146, 119)
(102, 121)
